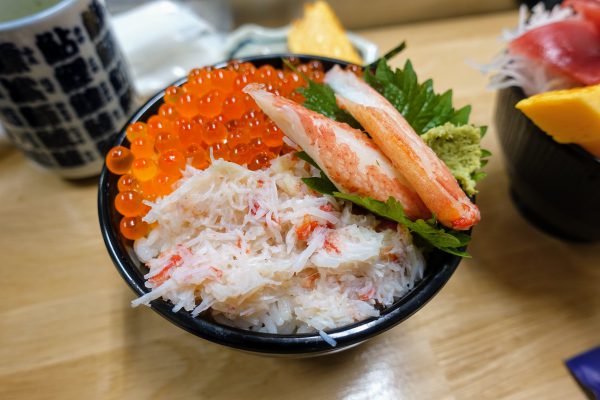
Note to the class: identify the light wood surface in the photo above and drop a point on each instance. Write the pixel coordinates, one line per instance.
(500, 329)
(359, 14)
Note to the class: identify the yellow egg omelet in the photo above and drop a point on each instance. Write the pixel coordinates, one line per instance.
(319, 32)
(569, 116)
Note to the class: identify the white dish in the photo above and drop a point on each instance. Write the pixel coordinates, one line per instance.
(249, 40)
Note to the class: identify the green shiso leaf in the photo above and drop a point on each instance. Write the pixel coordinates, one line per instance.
(484, 129)
(320, 98)
(303, 156)
(477, 176)
(321, 184)
(422, 108)
(461, 117)
(387, 56)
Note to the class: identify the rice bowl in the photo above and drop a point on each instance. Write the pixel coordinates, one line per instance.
(439, 267)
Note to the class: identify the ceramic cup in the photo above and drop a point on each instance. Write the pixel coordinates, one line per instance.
(65, 89)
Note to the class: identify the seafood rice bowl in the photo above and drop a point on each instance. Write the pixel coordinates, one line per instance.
(292, 205)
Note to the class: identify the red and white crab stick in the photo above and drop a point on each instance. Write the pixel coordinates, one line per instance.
(409, 154)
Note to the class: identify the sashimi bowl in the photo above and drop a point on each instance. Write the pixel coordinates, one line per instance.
(546, 117)
(439, 266)
(555, 186)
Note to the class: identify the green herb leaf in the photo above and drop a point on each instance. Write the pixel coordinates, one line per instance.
(479, 175)
(461, 117)
(303, 156)
(387, 56)
(483, 129)
(320, 184)
(422, 108)
(320, 98)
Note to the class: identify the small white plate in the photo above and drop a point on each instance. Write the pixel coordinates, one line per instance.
(249, 40)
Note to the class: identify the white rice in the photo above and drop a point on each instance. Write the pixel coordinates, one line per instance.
(513, 70)
(327, 338)
(227, 241)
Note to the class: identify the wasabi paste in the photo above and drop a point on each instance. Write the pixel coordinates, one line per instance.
(458, 147)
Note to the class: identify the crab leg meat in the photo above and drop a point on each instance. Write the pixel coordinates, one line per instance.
(421, 167)
(346, 155)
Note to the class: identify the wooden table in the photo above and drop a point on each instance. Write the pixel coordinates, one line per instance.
(501, 328)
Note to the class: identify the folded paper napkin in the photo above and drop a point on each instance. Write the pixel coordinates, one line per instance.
(162, 40)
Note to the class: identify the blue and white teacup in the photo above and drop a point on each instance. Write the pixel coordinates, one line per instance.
(65, 88)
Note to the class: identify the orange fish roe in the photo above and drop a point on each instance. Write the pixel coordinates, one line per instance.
(142, 146)
(156, 124)
(129, 203)
(144, 169)
(126, 182)
(135, 130)
(133, 228)
(209, 114)
(171, 161)
(162, 184)
(118, 160)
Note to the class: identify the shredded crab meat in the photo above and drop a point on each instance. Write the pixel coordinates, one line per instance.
(260, 251)
(513, 70)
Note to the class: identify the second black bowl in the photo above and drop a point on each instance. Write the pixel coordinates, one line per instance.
(440, 266)
(555, 186)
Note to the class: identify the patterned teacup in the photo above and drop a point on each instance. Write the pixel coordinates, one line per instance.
(65, 89)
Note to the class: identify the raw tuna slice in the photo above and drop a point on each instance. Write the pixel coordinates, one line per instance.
(589, 9)
(571, 46)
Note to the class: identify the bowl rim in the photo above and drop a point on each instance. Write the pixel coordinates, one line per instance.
(266, 343)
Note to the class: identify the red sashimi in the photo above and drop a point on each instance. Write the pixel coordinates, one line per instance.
(589, 9)
(571, 46)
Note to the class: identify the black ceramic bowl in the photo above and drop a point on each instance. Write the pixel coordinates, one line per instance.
(440, 266)
(555, 186)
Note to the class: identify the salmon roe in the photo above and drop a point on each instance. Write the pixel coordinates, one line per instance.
(119, 160)
(209, 115)
(133, 228)
(126, 182)
(129, 203)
